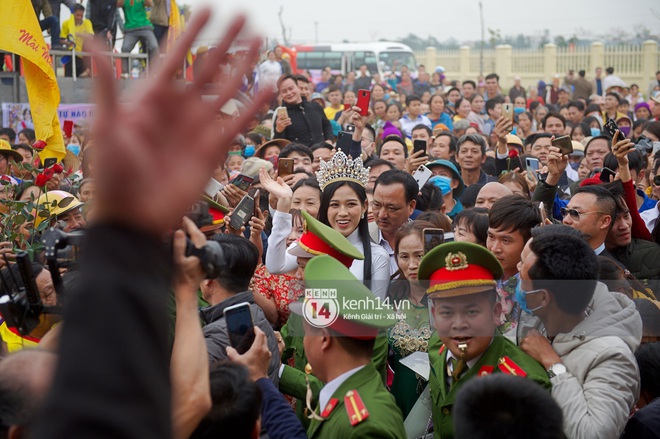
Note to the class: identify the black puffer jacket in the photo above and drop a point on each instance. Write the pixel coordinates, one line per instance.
(308, 124)
(641, 258)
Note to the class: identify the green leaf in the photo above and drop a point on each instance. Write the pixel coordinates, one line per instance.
(19, 219)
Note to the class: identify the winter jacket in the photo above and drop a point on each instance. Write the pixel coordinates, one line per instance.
(217, 338)
(641, 258)
(308, 124)
(601, 384)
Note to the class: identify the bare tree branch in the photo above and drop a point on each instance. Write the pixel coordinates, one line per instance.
(284, 36)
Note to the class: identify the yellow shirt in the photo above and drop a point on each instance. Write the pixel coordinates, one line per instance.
(69, 27)
(330, 112)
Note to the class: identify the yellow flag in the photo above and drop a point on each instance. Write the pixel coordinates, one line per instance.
(176, 28)
(22, 35)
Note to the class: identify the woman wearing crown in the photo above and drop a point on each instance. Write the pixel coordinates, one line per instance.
(344, 208)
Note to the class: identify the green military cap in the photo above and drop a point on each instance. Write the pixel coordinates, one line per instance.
(320, 239)
(458, 269)
(336, 299)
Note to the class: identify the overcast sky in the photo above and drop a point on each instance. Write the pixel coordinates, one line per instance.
(361, 21)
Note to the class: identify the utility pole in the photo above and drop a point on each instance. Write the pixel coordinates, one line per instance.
(481, 52)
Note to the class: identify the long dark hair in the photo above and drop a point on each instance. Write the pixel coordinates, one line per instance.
(400, 287)
(363, 225)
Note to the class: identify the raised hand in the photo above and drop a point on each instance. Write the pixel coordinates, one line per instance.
(155, 155)
(621, 149)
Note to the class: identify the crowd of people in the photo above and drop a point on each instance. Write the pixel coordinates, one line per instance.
(486, 279)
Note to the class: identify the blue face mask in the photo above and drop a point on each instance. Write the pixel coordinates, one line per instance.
(249, 151)
(75, 149)
(521, 298)
(518, 110)
(444, 183)
(595, 132)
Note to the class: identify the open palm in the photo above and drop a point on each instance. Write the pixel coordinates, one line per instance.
(156, 154)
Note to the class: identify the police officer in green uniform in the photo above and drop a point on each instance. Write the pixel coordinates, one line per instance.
(341, 321)
(465, 311)
(317, 239)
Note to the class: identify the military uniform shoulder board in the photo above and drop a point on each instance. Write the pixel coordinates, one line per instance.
(508, 366)
(485, 370)
(329, 407)
(355, 408)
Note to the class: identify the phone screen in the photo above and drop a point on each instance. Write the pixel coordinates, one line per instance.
(432, 238)
(240, 327)
(242, 181)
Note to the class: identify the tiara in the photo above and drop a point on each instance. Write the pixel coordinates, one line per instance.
(342, 168)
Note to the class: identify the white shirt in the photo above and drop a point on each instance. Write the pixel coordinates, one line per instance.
(650, 216)
(269, 73)
(380, 265)
(331, 387)
(394, 267)
(407, 124)
(279, 260)
(600, 249)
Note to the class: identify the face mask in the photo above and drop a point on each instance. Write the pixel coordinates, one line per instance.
(518, 110)
(625, 130)
(249, 151)
(75, 149)
(521, 298)
(595, 132)
(444, 183)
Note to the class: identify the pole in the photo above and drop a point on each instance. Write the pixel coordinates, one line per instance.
(481, 52)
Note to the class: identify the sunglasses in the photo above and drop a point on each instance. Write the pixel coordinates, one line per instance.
(656, 180)
(575, 215)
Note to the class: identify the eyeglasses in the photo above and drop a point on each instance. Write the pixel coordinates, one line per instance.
(575, 215)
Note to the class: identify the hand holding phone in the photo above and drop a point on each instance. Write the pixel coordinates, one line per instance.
(419, 145)
(242, 213)
(422, 175)
(242, 181)
(284, 167)
(532, 164)
(611, 128)
(364, 97)
(507, 111)
(240, 326)
(344, 140)
(564, 144)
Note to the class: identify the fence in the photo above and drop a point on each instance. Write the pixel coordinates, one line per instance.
(633, 63)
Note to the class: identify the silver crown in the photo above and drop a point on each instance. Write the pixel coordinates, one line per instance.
(342, 168)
